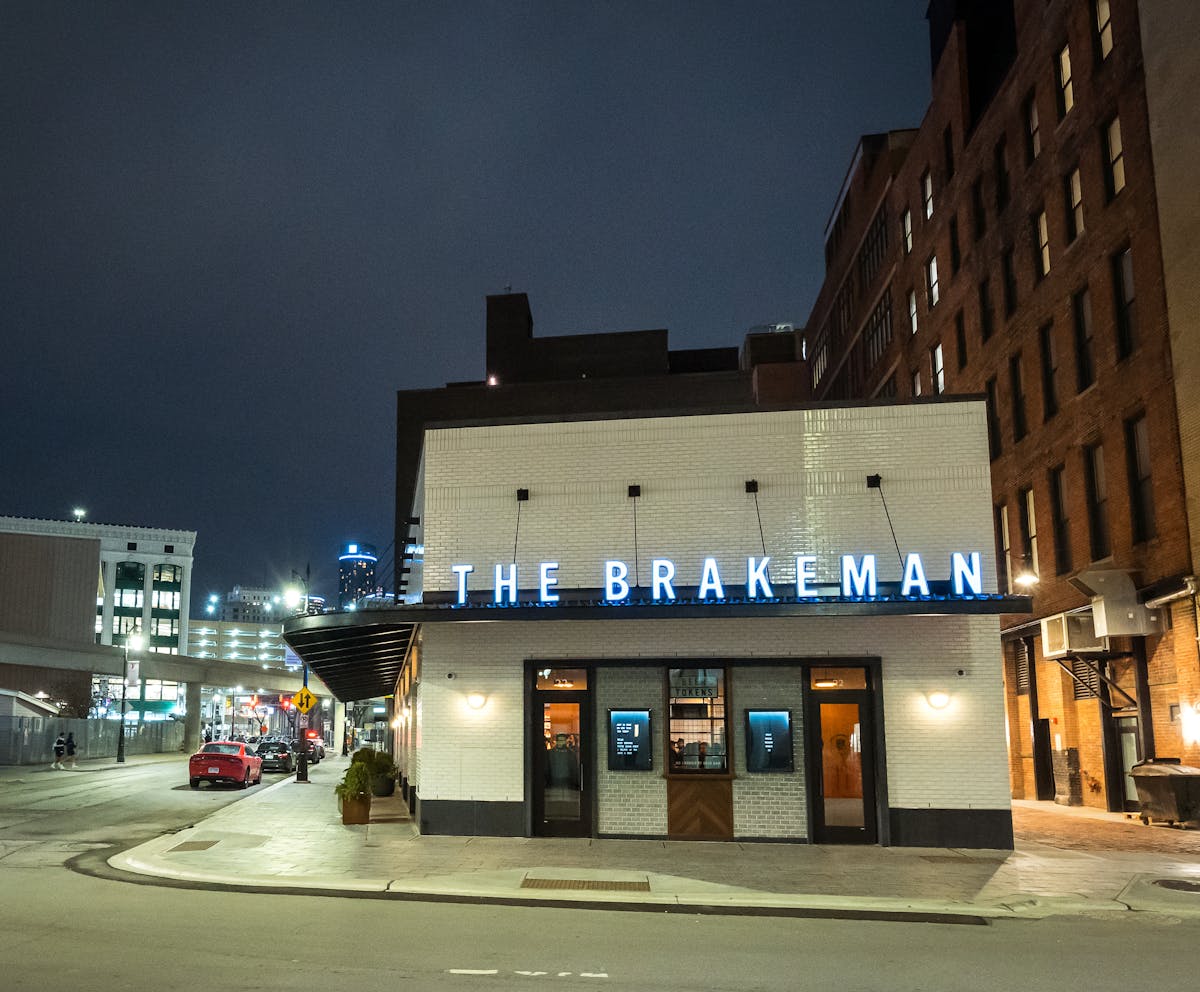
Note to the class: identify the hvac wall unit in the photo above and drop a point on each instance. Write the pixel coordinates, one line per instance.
(1066, 634)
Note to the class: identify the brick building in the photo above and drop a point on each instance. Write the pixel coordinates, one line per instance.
(1029, 243)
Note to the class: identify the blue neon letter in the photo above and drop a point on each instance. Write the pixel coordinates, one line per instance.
(462, 571)
(663, 572)
(860, 580)
(615, 586)
(806, 571)
(966, 569)
(914, 576)
(548, 580)
(756, 578)
(506, 583)
(710, 580)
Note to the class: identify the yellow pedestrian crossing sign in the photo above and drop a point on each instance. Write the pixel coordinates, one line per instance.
(304, 700)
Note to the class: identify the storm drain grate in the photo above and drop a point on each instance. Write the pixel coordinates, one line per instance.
(192, 845)
(1178, 883)
(588, 884)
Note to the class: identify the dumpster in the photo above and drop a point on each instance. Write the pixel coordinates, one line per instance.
(1167, 791)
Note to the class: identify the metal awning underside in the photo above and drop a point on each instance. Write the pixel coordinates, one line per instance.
(357, 660)
(360, 655)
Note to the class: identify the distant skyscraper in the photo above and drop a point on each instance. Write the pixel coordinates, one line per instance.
(356, 573)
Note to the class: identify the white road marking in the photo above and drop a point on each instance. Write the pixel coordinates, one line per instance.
(524, 974)
(474, 971)
(593, 974)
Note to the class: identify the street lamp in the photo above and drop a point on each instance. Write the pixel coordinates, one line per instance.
(291, 599)
(135, 640)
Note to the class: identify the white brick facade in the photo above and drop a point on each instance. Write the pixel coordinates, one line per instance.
(811, 468)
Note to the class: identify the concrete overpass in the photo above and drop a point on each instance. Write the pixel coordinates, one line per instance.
(98, 659)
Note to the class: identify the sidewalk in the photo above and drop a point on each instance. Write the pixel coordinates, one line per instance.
(289, 835)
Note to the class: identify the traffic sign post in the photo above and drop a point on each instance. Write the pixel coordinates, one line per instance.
(304, 701)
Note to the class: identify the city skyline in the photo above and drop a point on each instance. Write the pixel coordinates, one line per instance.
(234, 234)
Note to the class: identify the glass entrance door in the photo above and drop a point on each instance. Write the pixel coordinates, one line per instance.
(842, 752)
(561, 742)
(1131, 754)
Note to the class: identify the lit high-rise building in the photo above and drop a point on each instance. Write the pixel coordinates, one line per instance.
(356, 573)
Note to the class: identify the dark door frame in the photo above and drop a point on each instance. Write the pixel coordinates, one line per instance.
(874, 804)
(535, 752)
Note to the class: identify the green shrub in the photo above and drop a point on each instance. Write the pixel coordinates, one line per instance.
(355, 783)
(376, 762)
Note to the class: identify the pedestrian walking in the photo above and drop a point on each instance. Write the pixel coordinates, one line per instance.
(60, 748)
(70, 745)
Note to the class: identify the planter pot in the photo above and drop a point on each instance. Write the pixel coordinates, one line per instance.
(356, 810)
(382, 785)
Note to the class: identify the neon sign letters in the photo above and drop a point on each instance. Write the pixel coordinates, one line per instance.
(858, 580)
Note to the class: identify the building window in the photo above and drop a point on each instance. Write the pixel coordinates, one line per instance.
(1104, 38)
(1114, 155)
(1041, 244)
(912, 310)
(978, 211)
(1066, 92)
(1033, 138)
(1027, 519)
(699, 732)
(1125, 302)
(916, 383)
(1059, 520)
(948, 151)
(960, 339)
(1097, 501)
(986, 313)
(937, 369)
(955, 252)
(1073, 197)
(1141, 489)
(1005, 578)
(878, 333)
(927, 193)
(1085, 358)
(993, 421)
(906, 227)
(1018, 397)
(1049, 371)
(931, 282)
(1000, 163)
(1009, 273)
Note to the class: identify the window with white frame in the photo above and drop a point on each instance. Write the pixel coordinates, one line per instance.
(931, 281)
(1041, 233)
(912, 310)
(1073, 194)
(937, 369)
(1066, 91)
(906, 225)
(1104, 37)
(927, 193)
(1115, 153)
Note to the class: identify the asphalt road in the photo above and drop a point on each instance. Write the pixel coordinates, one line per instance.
(63, 930)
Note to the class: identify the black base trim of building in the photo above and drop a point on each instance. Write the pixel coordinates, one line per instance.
(970, 828)
(469, 818)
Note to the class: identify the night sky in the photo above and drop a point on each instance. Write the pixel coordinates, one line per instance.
(229, 232)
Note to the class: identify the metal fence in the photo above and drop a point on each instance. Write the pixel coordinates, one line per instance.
(29, 740)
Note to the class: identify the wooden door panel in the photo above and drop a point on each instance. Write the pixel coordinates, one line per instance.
(700, 808)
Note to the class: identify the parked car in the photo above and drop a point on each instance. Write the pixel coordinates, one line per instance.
(276, 756)
(310, 748)
(225, 761)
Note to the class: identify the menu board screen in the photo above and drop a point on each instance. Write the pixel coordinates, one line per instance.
(629, 741)
(769, 741)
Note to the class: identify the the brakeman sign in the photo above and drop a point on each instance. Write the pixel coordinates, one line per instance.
(858, 579)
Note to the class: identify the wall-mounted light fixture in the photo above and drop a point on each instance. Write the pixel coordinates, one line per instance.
(635, 492)
(1024, 576)
(476, 700)
(751, 485)
(939, 699)
(522, 495)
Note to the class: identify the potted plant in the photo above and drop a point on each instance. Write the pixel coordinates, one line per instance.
(354, 792)
(381, 767)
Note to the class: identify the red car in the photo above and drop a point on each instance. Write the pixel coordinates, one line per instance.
(225, 761)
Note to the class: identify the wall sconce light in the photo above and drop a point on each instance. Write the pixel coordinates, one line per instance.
(938, 699)
(522, 495)
(476, 700)
(751, 485)
(635, 492)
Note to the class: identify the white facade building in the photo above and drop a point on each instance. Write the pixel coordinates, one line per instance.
(760, 625)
